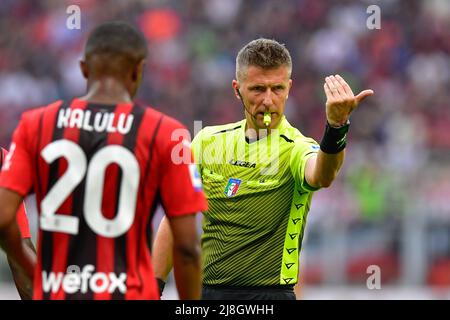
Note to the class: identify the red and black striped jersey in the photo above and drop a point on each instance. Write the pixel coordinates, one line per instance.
(99, 172)
(21, 217)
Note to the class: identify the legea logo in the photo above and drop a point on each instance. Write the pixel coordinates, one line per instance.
(72, 282)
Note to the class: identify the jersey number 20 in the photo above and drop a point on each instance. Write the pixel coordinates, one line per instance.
(95, 170)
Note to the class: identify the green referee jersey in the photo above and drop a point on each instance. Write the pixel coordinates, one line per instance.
(258, 202)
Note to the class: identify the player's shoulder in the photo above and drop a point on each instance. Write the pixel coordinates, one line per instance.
(170, 123)
(35, 113)
(221, 129)
(166, 129)
(162, 120)
(31, 119)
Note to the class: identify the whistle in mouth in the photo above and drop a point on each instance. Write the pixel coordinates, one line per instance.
(267, 119)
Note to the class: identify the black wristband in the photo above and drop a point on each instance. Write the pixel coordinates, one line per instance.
(161, 285)
(334, 139)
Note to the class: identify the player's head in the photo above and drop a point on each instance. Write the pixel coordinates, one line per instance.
(263, 79)
(115, 49)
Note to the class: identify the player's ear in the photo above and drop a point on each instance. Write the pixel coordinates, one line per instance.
(84, 69)
(138, 71)
(136, 78)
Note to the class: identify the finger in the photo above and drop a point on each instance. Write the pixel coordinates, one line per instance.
(345, 85)
(328, 92)
(338, 87)
(333, 89)
(363, 94)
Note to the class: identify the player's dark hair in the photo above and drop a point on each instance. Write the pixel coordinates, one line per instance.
(264, 53)
(115, 46)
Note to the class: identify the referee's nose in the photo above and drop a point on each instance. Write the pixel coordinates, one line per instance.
(267, 100)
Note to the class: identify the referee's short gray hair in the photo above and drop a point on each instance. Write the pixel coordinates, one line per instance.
(264, 53)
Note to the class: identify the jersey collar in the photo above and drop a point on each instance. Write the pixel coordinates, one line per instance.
(282, 126)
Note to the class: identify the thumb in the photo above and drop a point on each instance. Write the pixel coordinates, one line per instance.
(363, 94)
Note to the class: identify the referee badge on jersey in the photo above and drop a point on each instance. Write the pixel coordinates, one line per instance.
(232, 187)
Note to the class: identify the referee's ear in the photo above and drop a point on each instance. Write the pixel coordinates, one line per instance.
(84, 69)
(236, 86)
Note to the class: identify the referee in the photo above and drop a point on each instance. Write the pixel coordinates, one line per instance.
(259, 176)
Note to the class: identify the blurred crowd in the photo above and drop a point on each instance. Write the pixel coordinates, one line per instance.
(398, 155)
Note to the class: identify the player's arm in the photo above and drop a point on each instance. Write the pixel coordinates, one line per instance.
(18, 251)
(181, 197)
(162, 256)
(24, 288)
(171, 253)
(186, 256)
(23, 285)
(322, 169)
(16, 181)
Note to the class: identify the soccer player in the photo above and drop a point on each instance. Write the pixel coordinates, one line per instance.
(24, 288)
(259, 176)
(99, 165)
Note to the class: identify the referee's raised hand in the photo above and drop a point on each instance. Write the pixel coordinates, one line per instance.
(340, 100)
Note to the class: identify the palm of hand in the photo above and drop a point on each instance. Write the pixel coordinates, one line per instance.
(340, 100)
